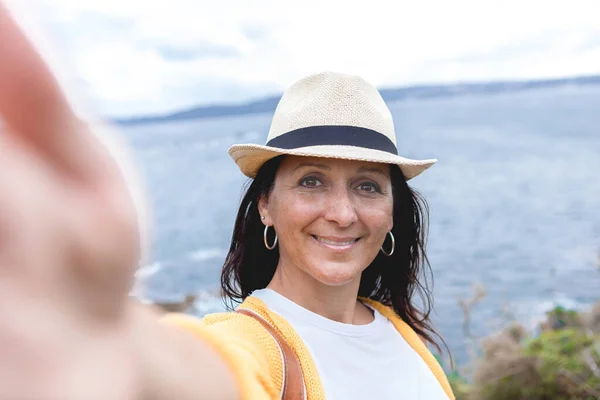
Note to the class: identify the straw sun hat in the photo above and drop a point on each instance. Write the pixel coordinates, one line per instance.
(330, 115)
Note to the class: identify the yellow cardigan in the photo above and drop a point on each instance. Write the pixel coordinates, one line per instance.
(254, 357)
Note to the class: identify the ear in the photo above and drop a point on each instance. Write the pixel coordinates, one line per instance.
(263, 210)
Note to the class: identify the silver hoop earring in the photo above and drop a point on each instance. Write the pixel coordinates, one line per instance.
(265, 238)
(393, 245)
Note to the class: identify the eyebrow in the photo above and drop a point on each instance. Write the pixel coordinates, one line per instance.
(374, 169)
(310, 164)
(327, 168)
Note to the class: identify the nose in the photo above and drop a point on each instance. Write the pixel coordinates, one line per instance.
(340, 208)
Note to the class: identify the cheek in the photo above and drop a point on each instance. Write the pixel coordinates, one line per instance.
(380, 218)
(293, 213)
(297, 208)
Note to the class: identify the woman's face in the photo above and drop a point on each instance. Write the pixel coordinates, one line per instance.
(331, 216)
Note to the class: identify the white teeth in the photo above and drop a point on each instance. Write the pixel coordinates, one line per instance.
(332, 243)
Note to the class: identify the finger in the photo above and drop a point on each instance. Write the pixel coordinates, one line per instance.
(34, 106)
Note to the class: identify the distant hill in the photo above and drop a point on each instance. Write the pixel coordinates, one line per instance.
(268, 104)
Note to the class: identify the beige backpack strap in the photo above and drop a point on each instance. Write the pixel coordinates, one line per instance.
(293, 379)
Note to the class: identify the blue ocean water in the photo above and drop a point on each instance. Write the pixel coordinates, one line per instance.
(515, 201)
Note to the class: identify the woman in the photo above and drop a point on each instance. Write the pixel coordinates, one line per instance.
(327, 234)
(327, 247)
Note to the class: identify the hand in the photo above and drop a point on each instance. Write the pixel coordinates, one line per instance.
(69, 243)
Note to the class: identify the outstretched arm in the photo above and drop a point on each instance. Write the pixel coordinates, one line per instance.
(69, 243)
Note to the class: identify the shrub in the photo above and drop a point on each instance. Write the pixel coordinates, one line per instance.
(561, 363)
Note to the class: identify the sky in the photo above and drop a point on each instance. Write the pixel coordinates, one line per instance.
(138, 57)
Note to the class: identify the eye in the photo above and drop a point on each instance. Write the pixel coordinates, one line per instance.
(310, 182)
(369, 187)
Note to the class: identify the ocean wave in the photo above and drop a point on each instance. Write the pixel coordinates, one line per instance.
(532, 313)
(142, 276)
(206, 254)
(148, 270)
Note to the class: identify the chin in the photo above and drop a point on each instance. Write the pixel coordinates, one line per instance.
(335, 274)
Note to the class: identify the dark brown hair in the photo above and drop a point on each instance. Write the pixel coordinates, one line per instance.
(393, 281)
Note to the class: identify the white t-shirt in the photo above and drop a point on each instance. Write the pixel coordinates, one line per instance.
(371, 361)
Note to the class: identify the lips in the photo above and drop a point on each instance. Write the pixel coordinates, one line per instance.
(336, 242)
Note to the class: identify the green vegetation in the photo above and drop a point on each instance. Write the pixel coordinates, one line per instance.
(560, 362)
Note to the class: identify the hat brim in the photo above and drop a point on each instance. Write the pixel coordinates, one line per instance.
(250, 157)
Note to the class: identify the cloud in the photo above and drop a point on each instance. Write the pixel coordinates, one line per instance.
(133, 56)
(195, 52)
(571, 42)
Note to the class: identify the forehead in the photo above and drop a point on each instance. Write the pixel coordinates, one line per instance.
(291, 163)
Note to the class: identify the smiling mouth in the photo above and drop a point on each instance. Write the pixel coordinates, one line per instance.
(336, 243)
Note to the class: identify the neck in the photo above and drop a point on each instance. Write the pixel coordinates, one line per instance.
(337, 303)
